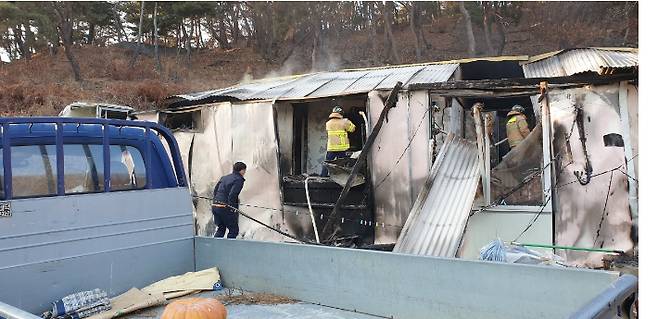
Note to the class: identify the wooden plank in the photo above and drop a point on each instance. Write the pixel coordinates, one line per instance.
(483, 152)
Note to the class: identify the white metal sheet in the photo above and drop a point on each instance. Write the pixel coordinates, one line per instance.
(399, 160)
(437, 220)
(595, 215)
(570, 62)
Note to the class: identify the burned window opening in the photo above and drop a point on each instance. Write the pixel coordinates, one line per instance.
(185, 121)
(306, 147)
(515, 175)
(299, 128)
(613, 139)
(303, 138)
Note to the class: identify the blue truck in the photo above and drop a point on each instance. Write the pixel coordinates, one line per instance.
(95, 203)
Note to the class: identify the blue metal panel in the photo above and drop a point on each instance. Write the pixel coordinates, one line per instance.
(401, 286)
(107, 181)
(54, 246)
(59, 144)
(6, 160)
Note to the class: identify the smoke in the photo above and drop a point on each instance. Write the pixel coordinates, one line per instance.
(300, 62)
(294, 64)
(329, 62)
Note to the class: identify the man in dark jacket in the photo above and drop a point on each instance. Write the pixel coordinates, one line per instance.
(226, 194)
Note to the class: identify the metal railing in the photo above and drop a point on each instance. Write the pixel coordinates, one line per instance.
(149, 128)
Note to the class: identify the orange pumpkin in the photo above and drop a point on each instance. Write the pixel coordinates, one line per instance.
(195, 308)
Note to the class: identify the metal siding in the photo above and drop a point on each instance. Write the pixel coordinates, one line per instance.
(437, 220)
(326, 84)
(596, 214)
(55, 246)
(400, 164)
(238, 132)
(401, 286)
(570, 62)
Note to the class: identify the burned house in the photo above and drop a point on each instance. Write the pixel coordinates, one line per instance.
(571, 182)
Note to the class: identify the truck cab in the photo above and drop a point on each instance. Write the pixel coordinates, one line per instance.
(88, 202)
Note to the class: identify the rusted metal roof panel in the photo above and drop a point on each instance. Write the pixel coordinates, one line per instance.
(570, 62)
(324, 84)
(438, 218)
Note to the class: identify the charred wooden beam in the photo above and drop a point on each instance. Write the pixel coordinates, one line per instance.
(515, 87)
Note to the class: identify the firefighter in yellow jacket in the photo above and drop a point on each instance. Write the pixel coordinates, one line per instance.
(337, 140)
(517, 126)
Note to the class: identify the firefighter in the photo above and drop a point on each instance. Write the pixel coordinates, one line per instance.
(517, 126)
(337, 140)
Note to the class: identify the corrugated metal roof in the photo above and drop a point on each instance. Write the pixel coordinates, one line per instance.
(438, 217)
(574, 61)
(325, 84)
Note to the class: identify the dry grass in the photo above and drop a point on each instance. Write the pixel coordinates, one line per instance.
(44, 85)
(254, 299)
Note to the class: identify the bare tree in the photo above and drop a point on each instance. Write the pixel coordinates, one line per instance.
(118, 24)
(412, 9)
(500, 27)
(139, 38)
(469, 28)
(628, 7)
(317, 36)
(156, 54)
(393, 50)
(188, 45)
(486, 25)
(219, 34)
(65, 29)
(372, 29)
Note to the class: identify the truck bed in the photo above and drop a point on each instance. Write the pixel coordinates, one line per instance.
(240, 304)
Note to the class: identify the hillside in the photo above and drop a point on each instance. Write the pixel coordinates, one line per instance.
(44, 84)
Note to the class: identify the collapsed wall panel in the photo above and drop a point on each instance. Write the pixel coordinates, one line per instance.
(438, 218)
(590, 212)
(399, 160)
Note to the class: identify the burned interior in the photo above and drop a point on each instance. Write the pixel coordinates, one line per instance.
(303, 143)
(453, 111)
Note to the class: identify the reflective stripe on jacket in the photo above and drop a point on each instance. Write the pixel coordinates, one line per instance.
(337, 129)
(517, 129)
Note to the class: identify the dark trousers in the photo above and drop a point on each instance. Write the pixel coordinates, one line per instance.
(225, 218)
(330, 157)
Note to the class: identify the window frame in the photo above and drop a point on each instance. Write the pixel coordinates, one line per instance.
(106, 185)
(545, 176)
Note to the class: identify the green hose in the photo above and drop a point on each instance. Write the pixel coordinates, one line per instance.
(598, 250)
